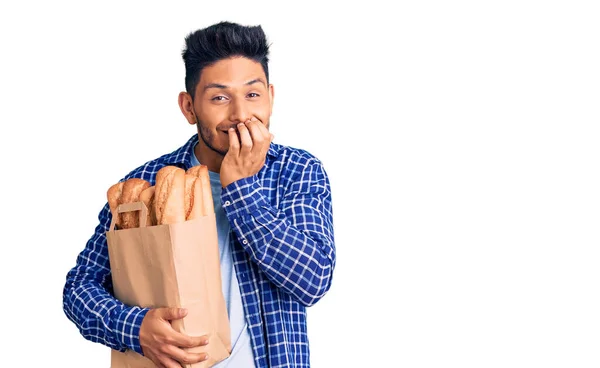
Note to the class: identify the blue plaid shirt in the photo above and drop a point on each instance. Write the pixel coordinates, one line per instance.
(283, 252)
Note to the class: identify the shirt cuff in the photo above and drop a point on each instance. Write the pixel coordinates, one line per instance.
(128, 326)
(242, 197)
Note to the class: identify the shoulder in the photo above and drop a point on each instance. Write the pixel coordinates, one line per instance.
(294, 156)
(293, 165)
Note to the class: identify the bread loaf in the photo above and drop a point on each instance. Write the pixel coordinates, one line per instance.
(176, 197)
(114, 196)
(201, 172)
(132, 188)
(194, 171)
(193, 197)
(169, 195)
(189, 195)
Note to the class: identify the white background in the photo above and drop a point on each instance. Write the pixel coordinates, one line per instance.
(461, 141)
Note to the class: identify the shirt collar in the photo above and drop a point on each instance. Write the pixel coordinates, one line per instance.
(182, 157)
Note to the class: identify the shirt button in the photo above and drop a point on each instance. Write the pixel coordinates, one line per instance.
(245, 241)
(227, 203)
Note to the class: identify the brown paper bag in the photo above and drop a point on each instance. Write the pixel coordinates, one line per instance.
(174, 265)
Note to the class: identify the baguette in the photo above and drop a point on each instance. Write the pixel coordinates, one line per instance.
(189, 195)
(201, 171)
(147, 196)
(194, 171)
(114, 197)
(130, 194)
(193, 197)
(169, 195)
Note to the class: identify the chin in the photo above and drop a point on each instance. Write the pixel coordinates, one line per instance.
(220, 146)
(219, 149)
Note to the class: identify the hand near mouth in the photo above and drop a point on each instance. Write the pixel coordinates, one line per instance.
(247, 153)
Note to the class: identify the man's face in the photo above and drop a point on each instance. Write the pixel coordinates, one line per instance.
(229, 92)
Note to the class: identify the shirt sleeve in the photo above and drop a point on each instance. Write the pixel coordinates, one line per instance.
(88, 301)
(294, 243)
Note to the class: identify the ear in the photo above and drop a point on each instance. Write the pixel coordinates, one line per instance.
(271, 96)
(186, 105)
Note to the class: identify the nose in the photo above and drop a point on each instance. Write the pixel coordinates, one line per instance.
(239, 111)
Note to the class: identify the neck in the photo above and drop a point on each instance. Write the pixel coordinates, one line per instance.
(208, 157)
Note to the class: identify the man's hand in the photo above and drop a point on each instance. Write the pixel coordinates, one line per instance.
(163, 345)
(246, 155)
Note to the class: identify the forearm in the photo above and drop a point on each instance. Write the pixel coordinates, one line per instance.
(89, 304)
(292, 244)
(100, 317)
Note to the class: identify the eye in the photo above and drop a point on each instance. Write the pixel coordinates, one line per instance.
(219, 98)
(253, 94)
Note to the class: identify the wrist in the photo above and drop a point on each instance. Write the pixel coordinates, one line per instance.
(128, 326)
(226, 180)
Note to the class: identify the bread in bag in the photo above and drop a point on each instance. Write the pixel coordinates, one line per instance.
(132, 188)
(114, 197)
(201, 172)
(169, 195)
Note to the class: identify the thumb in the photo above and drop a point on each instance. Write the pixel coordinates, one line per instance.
(173, 313)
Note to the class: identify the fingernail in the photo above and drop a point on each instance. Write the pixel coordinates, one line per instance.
(206, 357)
(240, 125)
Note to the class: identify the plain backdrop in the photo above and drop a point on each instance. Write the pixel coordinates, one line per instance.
(461, 140)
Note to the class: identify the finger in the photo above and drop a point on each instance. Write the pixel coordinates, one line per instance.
(172, 313)
(258, 137)
(185, 357)
(234, 142)
(186, 341)
(265, 131)
(268, 138)
(246, 140)
(168, 362)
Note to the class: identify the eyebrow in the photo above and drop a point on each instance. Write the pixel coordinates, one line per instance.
(222, 86)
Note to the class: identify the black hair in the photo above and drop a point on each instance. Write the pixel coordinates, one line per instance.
(223, 40)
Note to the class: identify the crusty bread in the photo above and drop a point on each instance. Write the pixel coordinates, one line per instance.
(209, 206)
(132, 188)
(189, 193)
(160, 195)
(194, 171)
(114, 197)
(147, 196)
(201, 171)
(176, 197)
(194, 197)
(169, 195)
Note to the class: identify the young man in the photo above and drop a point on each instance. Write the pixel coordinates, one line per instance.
(274, 219)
